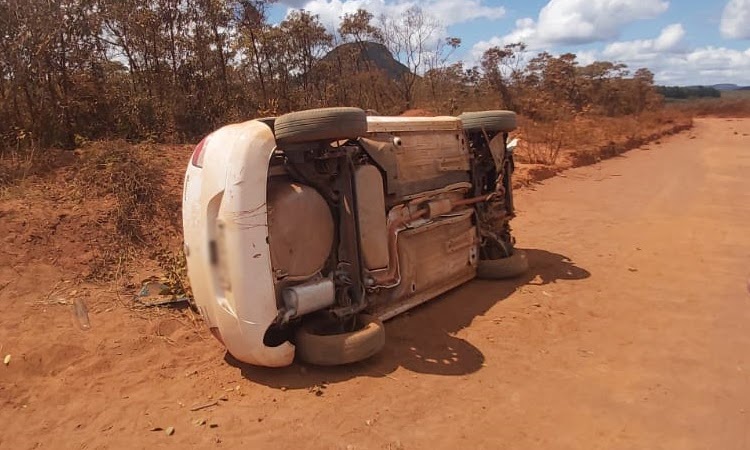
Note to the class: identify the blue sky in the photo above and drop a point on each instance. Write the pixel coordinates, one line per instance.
(682, 41)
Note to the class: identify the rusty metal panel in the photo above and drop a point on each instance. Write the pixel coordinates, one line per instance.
(416, 161)
(434, 258)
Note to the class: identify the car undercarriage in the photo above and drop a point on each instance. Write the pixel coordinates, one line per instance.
(368, 217)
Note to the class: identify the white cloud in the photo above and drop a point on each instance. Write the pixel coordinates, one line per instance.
(720, 60)
(668, 41)
(705, 65)
(524, 32)
(673, 63)
(580, 21)
(735, 21)
(448, 12)
(666, 55)
(586, 57)
(670, 38)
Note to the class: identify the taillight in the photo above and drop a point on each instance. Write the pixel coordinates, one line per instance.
(197, 159)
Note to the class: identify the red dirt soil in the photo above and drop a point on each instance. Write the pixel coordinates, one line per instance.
(629, 331)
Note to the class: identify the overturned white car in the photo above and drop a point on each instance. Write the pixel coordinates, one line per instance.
(304, 232)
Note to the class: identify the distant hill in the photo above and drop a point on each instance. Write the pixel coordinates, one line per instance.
(730, 87)
(373, 53)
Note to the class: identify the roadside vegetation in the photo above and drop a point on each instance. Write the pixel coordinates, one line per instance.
(96, 90)
(173, 70)
(729, 104)
(682, 93)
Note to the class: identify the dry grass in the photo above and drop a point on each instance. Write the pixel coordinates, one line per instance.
(21, 159)
(174, 265)
(543, 141)
(548, 148)
(127, 174)
(15, 167)
(582, 138)
(143, 218)
(111, 262)
(731, 104)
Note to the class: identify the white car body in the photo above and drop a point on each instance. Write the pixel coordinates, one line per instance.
(240, 305)
(226, 220)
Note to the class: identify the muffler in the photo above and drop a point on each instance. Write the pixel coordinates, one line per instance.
(308, 297)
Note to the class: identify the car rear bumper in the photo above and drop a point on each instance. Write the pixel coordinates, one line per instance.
(226, 240)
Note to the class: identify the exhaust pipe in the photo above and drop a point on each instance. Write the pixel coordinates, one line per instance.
(308, 297)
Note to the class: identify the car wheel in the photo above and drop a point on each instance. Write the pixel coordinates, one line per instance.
(324, 124)
(498, 269)
(316, 346)
(498, 121)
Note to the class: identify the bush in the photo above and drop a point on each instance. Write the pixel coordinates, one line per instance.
(128, 174)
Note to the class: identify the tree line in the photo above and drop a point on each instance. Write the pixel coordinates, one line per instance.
(681, 93)
(173, 70)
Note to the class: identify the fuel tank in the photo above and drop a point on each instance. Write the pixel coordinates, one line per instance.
(300, 229)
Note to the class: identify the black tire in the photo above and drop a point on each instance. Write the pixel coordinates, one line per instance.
(499, 269)
(337, 349)
(497, 121)
(325, 124)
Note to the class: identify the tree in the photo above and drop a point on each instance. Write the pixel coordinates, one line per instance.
(644, 95)
(359, 78)
(436, 61)
(306, 42)
(255, 43)
(358, 27)
(172, 70)
(408, 37)
(501, 67)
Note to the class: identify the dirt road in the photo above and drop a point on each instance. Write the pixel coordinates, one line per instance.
(630, 331)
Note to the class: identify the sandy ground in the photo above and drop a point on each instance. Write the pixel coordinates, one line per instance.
(630, 331)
